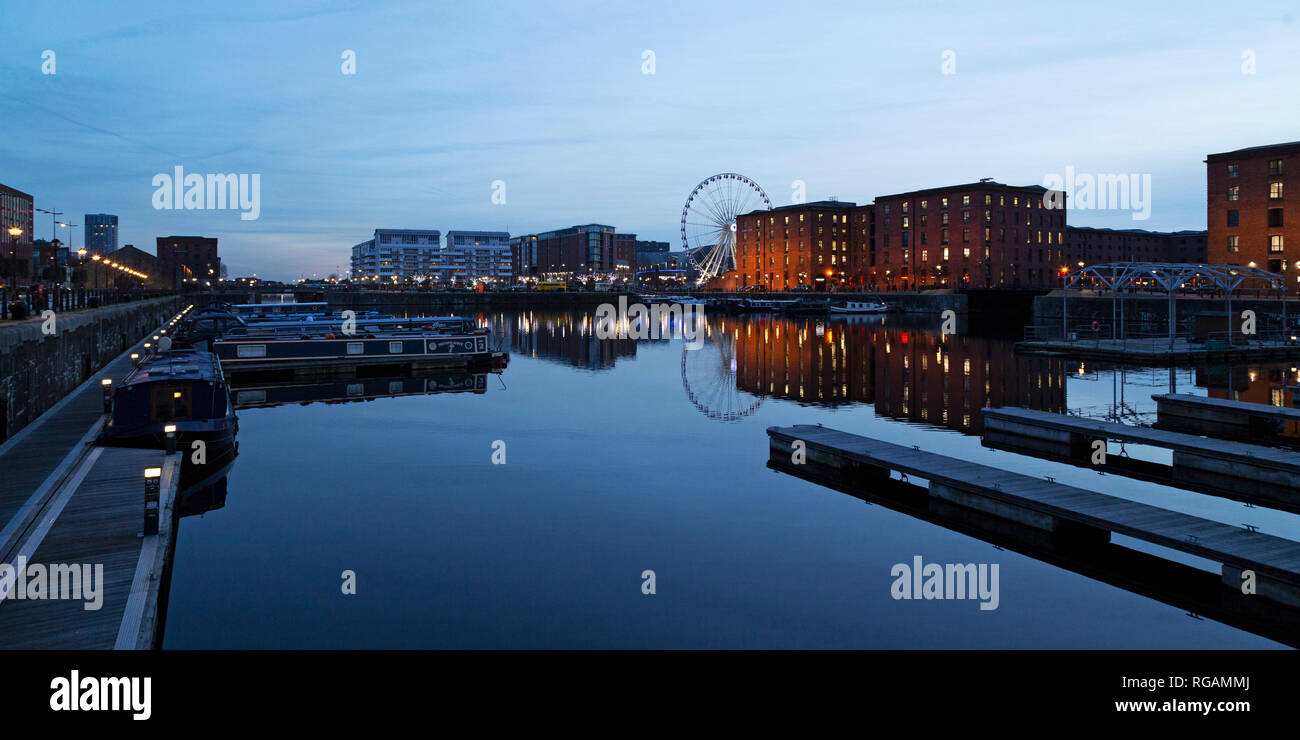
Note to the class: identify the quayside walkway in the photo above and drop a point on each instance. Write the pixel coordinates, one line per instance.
(65, 501)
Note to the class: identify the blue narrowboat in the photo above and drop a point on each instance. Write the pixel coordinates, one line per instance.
(431, 348)
(180, 387)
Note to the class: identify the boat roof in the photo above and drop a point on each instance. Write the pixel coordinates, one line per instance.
(176, 364)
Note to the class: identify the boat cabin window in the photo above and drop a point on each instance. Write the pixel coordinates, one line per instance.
(356, 348)
(169, 403)
(394, 347)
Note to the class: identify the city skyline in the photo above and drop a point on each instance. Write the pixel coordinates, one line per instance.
(428, 126)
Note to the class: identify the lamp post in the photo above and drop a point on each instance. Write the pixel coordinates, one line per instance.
(14, 233)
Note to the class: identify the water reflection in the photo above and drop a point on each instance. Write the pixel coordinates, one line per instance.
(903, 369)
(524, 554)
(353, 388)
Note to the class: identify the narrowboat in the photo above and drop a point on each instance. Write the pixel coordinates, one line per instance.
(858, 307)
(184, 388)
(442, 346)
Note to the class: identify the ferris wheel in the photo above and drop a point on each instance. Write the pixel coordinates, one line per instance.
(709, 221)
(709, 378)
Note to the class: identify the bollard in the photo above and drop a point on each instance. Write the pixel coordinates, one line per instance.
(135, 359)
(107, 385)
(152, 488)
(169, 438)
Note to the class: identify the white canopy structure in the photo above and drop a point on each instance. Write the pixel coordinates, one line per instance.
(1117, 277)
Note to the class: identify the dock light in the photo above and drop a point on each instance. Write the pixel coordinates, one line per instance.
(169, 437)
(147, 345)
(135, 359)
(107, 385)
(155, 337)
(152, 487)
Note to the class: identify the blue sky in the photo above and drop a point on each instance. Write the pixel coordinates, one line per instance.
(551, 99)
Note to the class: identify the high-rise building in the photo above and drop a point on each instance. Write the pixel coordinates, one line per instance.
(188, 259)
(16, 210)
(590, 249)
(100, 233)
(485, 255)
(1245, 198)
(397, 255)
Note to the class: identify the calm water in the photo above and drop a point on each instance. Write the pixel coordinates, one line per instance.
(623, 456)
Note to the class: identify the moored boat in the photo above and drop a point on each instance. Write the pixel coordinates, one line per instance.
(860, 307)
(181, 388)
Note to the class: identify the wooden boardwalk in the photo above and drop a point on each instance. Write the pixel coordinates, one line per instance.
(63, 500)
(1226, 450)
(1185, 587)
(1237, 547)
(1224, 418)
(38, 456)
(96, 518)
(1159, 351)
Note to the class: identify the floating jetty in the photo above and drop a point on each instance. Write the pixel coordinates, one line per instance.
(1159, 351)
(1225, 468)
(1222, 418)
(1054, 509)
(66, 501)
(1196, 592)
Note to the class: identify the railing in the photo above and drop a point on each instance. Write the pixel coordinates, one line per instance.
(1155, 334)
(23, 304)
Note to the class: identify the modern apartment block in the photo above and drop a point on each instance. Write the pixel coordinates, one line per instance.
(651, 252)
(483, 255)
(417, 255)
(100, 233)
(16, 210)
(979, 235)
(397, 255)
(821, 244)
(1246, 195)
(590, 249)
(1093, 246)
(188, 259)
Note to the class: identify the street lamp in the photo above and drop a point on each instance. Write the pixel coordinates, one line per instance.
(14, 233)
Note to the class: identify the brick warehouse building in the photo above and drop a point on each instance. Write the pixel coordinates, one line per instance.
(1093, 246)
(978, 235)
(1245, 194)
(821, 244)
(182, 258)
(984, 234)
